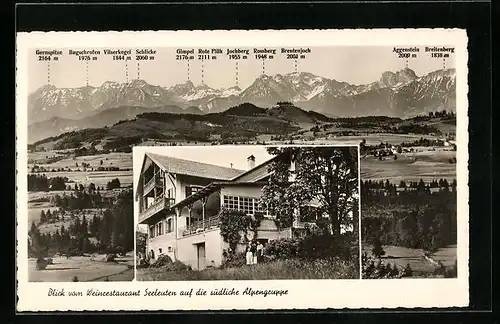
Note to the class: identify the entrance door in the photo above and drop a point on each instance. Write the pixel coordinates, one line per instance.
(201, 256)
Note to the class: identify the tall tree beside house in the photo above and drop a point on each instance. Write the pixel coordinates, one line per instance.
(328, 175)
(140, 243)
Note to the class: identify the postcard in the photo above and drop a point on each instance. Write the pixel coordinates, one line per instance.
(242, 169)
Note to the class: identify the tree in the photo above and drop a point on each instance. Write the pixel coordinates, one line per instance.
(326, 174)
(43, 218)
(377, 249)
(140, 243)
(407, 272)
(113, 184)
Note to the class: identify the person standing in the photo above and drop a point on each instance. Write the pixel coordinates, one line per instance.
(254, 252)
(249, 255)
(260, 251)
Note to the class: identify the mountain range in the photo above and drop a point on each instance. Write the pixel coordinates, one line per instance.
(398, 94)
(242, 122)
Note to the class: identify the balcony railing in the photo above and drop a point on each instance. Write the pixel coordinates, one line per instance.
(299, 224)
(201, 226)
(157, 206)
(154, 181)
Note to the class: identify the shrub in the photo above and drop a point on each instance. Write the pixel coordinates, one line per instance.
(110, 257)
(176, 266)
(75, 279)
(407, 272)
(376, 269)
(285, 248)
(161, 261)
(324, 245)
(377, 249)
(233, 260)
(41, 264)
(165, 263)
(451, 272)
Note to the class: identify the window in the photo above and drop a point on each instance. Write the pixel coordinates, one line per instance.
(160, 228)
(169, 226)
(248, 205)
(159, 251)
(231, 202)
(152, 231)
(169, 249)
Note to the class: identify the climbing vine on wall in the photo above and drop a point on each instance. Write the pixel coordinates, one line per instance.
(235, 224)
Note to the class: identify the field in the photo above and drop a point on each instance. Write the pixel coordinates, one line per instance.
(421, 267)
(424, 164)
(371, 139)
(374, 139)
(121, 160)
(85, 268)
(275, 270)
(99, 178)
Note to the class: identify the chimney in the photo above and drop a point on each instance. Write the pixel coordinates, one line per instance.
(251, 162)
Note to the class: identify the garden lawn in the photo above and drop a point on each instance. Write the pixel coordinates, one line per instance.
(279, 269)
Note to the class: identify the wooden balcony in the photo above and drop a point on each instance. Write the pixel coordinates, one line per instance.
(157, 206)
(151, 184)
(201, 226)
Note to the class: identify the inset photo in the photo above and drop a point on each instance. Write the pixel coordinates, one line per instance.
(409, 207)
(246, 212)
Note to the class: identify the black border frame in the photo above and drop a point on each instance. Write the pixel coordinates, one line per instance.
(473, 16)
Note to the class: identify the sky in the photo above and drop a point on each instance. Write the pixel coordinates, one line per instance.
(352, 64)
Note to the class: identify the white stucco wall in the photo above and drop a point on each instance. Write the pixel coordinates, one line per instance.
(162, 242)
(214, 245)
(242, 191)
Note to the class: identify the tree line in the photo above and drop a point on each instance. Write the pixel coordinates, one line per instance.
(111, 233)
(80, 200)
(419, 218)
(41, 169)
(42, 183)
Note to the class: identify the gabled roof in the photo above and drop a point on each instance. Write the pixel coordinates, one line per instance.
(192, 168)
(255, 174)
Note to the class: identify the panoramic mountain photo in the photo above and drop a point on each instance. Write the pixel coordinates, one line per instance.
(83, 126)
(403, 94)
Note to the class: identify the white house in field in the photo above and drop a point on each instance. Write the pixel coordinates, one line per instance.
(180, 202)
